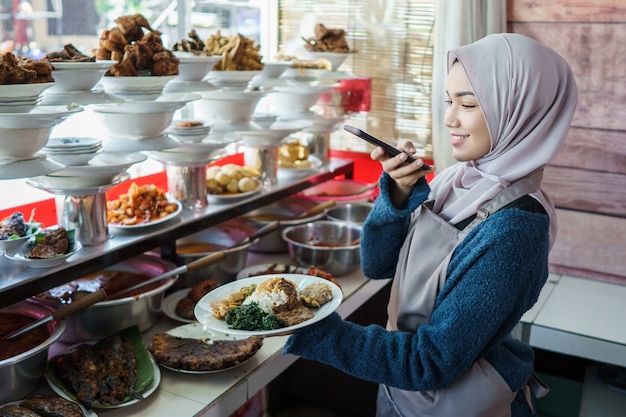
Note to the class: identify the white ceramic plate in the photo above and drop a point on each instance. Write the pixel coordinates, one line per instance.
(198, 331)
(143, 226)
(276, 268)
(104, 164)
(205, 314)
(78, 185)
(157, 143)
(231, 198)
(86, 413)
(170, 302)
(11, 91)
(42, 263)
(297, 173)
(156, 380)
(26, 168)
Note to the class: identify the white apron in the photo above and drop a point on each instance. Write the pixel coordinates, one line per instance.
(481, 391)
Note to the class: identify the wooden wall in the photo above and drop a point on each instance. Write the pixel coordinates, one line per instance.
(587, 181)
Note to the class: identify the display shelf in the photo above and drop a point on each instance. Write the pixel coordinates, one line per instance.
(18, 282)
(220, 394)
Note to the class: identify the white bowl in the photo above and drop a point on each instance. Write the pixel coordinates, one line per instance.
(135, 83)
(295, 99)
(78, 76)
(13, 92)
(195, 68)
(336, 59)
(74, 159)
(24, 134)
(275, 69)
(233, 106)
(235, 80)
(137, 119)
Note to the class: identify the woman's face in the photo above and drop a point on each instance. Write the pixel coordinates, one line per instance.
(464, 118)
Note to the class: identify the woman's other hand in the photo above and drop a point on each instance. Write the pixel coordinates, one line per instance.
(405, 175)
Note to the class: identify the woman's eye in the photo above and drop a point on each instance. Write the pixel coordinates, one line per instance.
(469, 106)
(448, 102)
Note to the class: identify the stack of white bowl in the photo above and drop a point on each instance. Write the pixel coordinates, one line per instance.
(189, 134)
(21, 98)
(72, 151)
(191, 71)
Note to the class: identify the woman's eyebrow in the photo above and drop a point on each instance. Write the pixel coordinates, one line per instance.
(461, 93)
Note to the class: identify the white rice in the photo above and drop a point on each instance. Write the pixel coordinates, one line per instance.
(267, 300)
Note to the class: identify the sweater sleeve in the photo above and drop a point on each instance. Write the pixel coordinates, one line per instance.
(389, 224)
(495, 276)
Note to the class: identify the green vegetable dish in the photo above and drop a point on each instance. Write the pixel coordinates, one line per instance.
(252, 317)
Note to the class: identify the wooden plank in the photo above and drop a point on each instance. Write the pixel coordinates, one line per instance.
(594, 150)
(578, 189)
(566, 11)
(596, 54)
(591, 244)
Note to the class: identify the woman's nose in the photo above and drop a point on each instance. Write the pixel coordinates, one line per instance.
(450, 120)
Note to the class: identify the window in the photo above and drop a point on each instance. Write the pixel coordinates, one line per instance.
(393, 41)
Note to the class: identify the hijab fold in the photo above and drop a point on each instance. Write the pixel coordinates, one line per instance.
(528, 96)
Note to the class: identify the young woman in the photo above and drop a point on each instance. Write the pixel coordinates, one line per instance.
(468, 252)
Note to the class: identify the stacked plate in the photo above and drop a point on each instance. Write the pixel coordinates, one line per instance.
(72, 151)
(21, 98)
(189, 130)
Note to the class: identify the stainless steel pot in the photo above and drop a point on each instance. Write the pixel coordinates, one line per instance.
(20, 374)
(224, 236)
(331, 246)
(108, 317)
(350, 212)
(286, 211)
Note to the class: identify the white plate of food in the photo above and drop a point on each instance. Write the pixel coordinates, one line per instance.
(36, 253)
(234, 197)
(170, 302)
(147, 378)
(47, 402)
(117, 227)
(219, 301)
(210, 352)
(299, 169)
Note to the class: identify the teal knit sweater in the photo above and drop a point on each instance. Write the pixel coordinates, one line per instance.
(495, 275)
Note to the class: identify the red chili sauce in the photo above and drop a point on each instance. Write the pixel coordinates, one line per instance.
(10, 322)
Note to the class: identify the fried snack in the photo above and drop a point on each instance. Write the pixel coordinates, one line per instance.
(327, 40)
(303, 64)
(142, 204)
(19, 70)
(188, 123)
(239, 53)
(194, 44)
(222, 306)
(136, 47)
(69, 53)
(316, 294)
(231, 179)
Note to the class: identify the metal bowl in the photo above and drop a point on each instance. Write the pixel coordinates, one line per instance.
(218, 238)
(108, 317)
(328, 245)
(286, 211)
(20, 374)
(350, 212)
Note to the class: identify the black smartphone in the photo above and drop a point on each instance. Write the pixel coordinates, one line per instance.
(377, 142)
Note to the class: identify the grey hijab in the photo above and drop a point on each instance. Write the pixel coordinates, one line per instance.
(528, 95)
